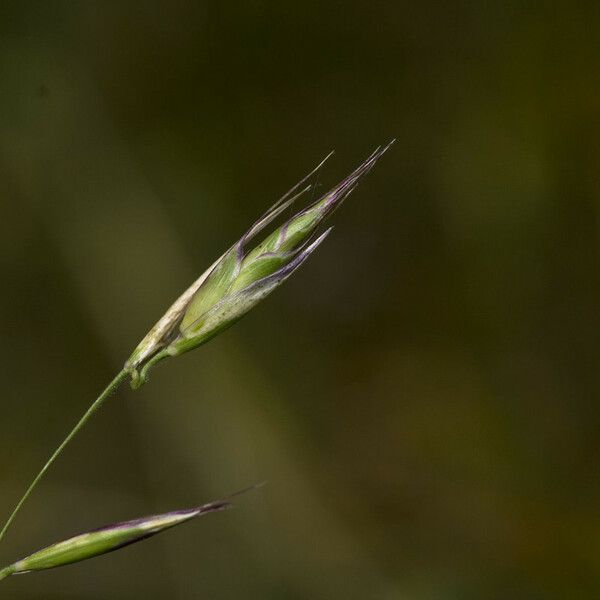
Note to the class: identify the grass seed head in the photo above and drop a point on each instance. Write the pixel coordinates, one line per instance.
(243, 275)
(107, 539)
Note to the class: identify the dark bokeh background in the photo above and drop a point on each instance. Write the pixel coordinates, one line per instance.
(422, 395)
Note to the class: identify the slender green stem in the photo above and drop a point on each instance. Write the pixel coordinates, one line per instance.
(112, 386)
(143, 376)
(6, 572)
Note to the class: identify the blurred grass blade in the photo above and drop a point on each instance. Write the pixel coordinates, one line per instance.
(107, 539)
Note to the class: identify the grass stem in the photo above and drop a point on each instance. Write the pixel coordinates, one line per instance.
(4, 573)
(110, 388)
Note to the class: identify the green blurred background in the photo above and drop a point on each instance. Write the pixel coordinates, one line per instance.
(421, 396)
